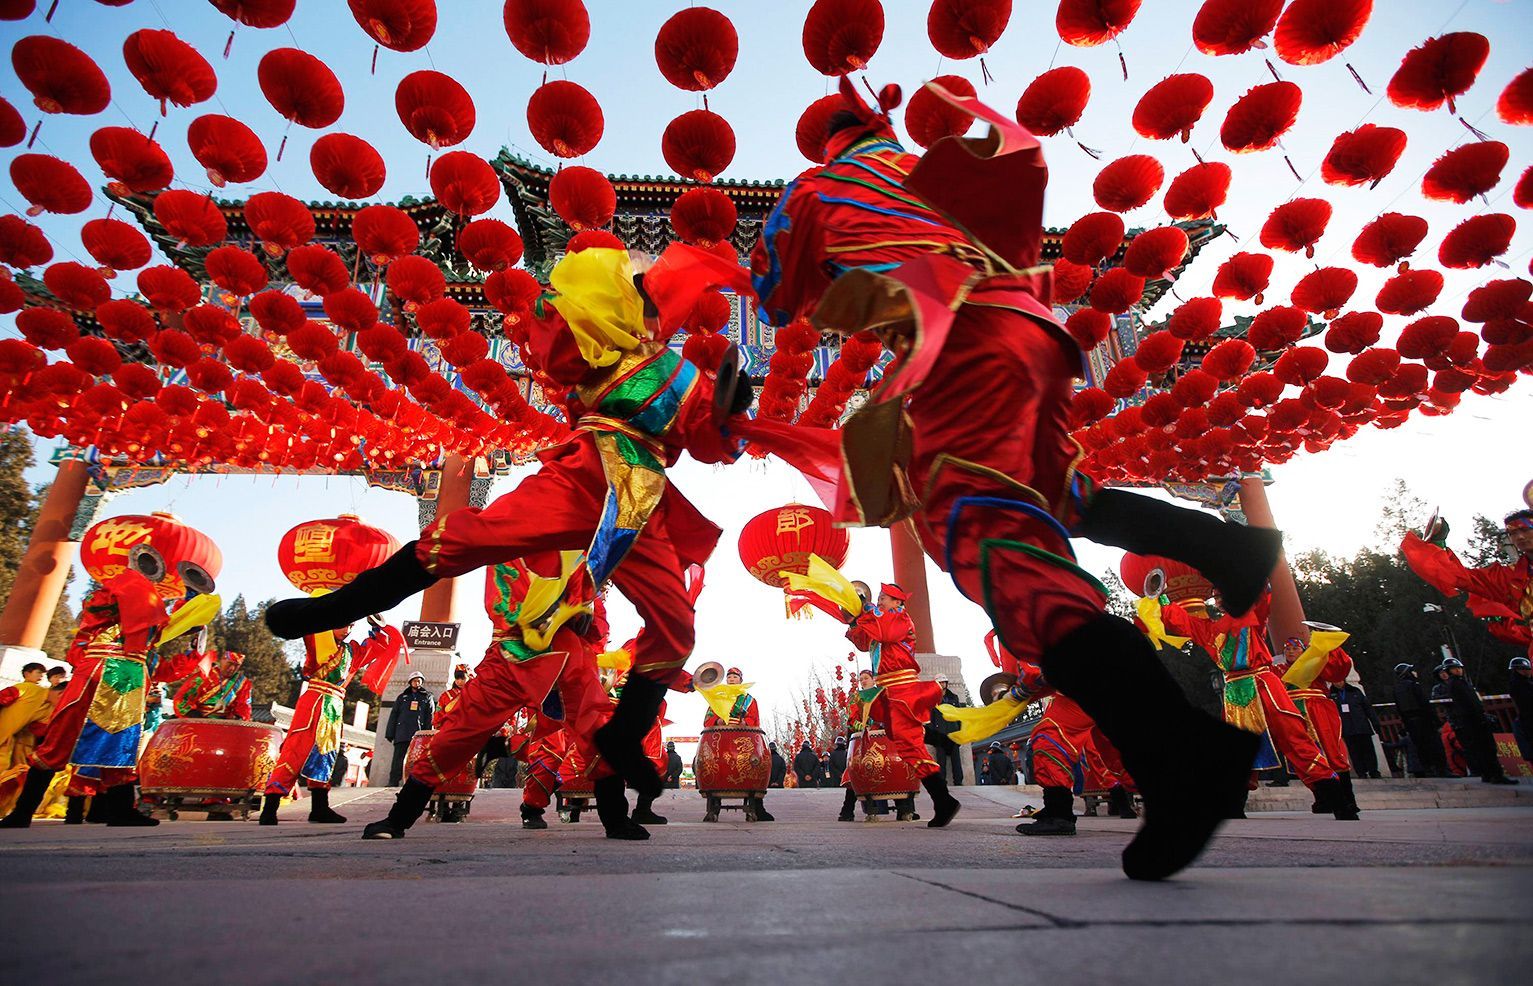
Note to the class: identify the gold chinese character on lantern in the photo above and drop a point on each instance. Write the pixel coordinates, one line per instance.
(793, 520)
(314, 544)
(115, 537)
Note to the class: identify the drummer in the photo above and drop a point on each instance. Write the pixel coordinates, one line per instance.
(745, 711)
(221, 692)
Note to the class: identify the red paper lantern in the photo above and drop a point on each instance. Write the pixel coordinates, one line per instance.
(276, 312)
(1197, 318)
(1427, 337)
(1516, 103)
(13, 129)
(76, 285)
(776, 542)
(1325, 290)
(1497, 300)
(548, 31)
(46, 328)
(1150, 575)
(1298, 367)
(1054, 101)
(1466, 171)
(435, 108)
(1172, 106)
(190, 217)
(1125, 379)
(1243, 277)
(169, 289)
(1389, 239)
(316, 269)
(464, 183)
(1260, 118)
(300, 87)
(1198, 192)
(1116, 291)
(256, 13)
(583, 197)
(1315, 31)
(416, 281)
(840, 36)
(1276, 328)
(125, 321)
(696, 48)
(1438, 71)
(1070, 281)
(489, 245)
(1477, 241)
(133, 161)
(347, 166)
(1093, 238)
(236, 270)
(1363, 156)
(50, 185)
(929, 117)
(1354, 332)
(1229, 360)
(961, 29)
(1229, 27)
(229, 150)
(60, 77)
(399, 25)
(704, 216)
(327, 554)
(108, 547)
(812, 129)
(279, 221)
(168, 68)
(1088, 327)
(1088, 23)
(1296, 225)
(1373, 367)
(115, 244)
(512, 291)
(1128, 183)
(385, 233)
(1155, 252)
(698, 145)
(1158, 352)
(564, 118)
(1409, 292)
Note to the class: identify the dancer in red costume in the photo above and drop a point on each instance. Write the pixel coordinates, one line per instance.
(1256, 701)
(1308, 687)
(450, 696)
(635, 406)
(940, 256)
(221, 692)
(1501, 594)
(886, 632)
(743, 711)
(314, 736)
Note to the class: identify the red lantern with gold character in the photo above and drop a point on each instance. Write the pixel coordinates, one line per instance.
(327, 554)
(158, 545)
(780, 541)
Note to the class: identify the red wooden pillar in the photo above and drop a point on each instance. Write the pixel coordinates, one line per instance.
(910, 573)
(1287, 618)
(45, 566)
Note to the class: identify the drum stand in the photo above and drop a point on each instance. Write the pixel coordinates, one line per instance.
(570, 806)
(715, 804)
(170, 806)
(449, 807)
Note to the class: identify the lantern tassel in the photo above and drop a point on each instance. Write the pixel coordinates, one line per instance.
(154, 129)
(1123, 63)
(1480, 134)
(1297, 176)
(282, 147)
(1359, 79)
(984, 71)
(229, 45)
(35, 128)
(374, 70)
(48, 17)
(1273, 69)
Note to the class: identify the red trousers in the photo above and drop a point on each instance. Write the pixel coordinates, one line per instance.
(908, 709)
(992, 420)
(544, 757)
(500, 688)
(298, 745)
(1324, 722)
(1289, 731)
(1059, 743)
(558, 508)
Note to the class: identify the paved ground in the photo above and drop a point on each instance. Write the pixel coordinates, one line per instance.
(1405, 896)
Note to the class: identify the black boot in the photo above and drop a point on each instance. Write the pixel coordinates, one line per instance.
(644, 812)
(1121, 803)
(1346, 790)
(612, 809)
(27, 801)
(374, 591)
(319, 807)
(1237, 559)
(1237, 808)
(1190, 768)
(621, 740)
(269, 806)
(408, 805)
(1057, 816)
(74, 811)
(848, 804)
(944, 805)
(1332, 793)
(122, 809)
(762, 815)
(95, 809)
(532, 818)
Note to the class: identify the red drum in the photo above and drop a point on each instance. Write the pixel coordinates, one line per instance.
(733, 762)
(876, 770)
(459, 787)
(215, 758)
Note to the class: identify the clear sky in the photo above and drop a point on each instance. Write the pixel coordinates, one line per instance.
(1476, 460)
